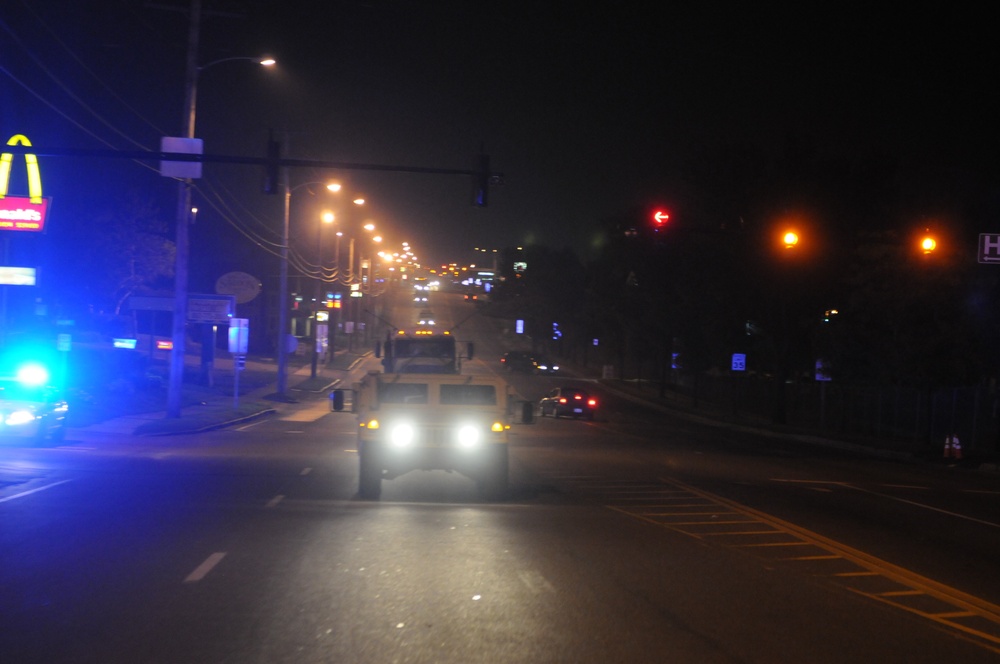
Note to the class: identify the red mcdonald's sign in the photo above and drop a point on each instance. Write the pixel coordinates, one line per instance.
(22, 213)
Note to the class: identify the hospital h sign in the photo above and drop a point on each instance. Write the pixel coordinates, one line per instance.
(989, 247)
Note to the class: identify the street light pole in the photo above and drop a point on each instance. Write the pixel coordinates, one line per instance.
(179, 327)
(283, 292)
(183, 213)
(327, 218)
(282, 386)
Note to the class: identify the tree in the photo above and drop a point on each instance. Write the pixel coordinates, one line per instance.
(128, 250)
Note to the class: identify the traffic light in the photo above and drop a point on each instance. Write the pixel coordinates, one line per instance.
(271, 166)
(928, 244)
(481, 181)
(790, 239)
(660, 219)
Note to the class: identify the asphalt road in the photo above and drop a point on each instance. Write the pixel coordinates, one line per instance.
(638, 537)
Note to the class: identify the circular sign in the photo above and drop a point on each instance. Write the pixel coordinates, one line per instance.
(243, 286)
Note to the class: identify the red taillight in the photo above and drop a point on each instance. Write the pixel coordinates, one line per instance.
(562, 399)
(592, 403)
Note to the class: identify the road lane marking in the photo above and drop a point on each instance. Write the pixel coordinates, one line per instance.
(535, 581)
(274, 501)
(971, 618)
(914, 503)
(36, 490)
(306, 471)
(203, 569)
(982, 522)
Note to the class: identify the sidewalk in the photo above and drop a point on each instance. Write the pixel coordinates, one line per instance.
(216, 407)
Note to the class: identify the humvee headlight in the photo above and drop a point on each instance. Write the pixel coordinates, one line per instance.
(468, 436)
(402, 435)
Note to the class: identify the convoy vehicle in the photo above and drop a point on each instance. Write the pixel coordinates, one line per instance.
(430, 422)
(422, 352)
(422, 413)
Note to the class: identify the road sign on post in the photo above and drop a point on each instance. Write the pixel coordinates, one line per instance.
(239, 335)
(989, 247)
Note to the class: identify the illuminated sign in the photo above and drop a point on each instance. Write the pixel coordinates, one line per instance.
(20, 213)
(17, 276)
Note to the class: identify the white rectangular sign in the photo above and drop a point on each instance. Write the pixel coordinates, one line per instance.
(239, 335)
(989, 247)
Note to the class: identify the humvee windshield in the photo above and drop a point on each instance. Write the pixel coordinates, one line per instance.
(468, 395)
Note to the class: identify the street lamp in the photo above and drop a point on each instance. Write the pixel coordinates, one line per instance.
(325, 218)
(178, 329)
(282, 386)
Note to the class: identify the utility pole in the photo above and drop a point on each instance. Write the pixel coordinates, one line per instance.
(179, 329)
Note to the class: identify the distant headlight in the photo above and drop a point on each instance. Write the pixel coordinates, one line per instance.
(402, 435)
(468, 436)
(19, 417)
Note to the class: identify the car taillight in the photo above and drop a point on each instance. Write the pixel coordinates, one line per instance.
(562, 399)
(592, 403)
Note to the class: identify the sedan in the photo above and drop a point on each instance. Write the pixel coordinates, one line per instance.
(568, 401)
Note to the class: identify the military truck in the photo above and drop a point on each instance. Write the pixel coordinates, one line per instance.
(430, 422)
(422, 414)
(422, 352)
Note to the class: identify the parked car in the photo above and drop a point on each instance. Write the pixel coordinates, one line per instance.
(568, 401)
(30, 408)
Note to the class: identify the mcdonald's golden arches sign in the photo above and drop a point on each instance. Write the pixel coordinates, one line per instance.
(22, 213)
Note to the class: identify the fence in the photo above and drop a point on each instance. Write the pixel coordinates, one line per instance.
(892, 418)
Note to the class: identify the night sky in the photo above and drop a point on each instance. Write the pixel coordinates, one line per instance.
(588, 111)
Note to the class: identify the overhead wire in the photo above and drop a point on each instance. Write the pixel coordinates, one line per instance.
(230, 207)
